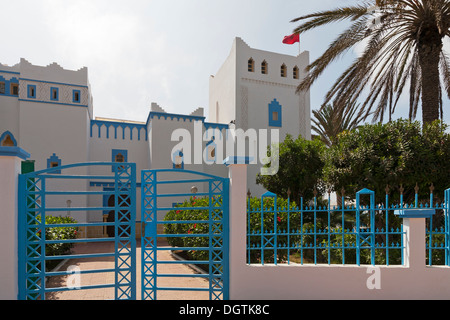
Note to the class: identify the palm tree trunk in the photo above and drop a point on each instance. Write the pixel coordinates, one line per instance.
(429, 63)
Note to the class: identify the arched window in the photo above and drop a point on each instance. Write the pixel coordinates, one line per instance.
(283, 70)
(251, 65)
(7, 140)
(295, 72)
(264, 67)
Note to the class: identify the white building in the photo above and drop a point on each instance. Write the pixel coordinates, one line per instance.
(48, 111)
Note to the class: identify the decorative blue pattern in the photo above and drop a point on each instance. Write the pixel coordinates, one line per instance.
(122, 125)
(275, 109)
(8, 83)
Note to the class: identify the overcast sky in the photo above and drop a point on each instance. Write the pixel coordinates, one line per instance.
(163, 51)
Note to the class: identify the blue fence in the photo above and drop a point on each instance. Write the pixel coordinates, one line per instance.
(280, 231)
(44, 194)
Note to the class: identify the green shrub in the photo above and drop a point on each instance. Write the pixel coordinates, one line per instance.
(58, 233)
(179, 214)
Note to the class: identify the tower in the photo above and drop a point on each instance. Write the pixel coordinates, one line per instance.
(256, 89)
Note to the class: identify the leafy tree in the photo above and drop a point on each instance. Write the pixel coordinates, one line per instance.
(398, 154)
(300, 169)
(403, 42)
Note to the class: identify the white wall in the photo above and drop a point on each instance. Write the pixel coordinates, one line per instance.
(412, 281)
(245, 96)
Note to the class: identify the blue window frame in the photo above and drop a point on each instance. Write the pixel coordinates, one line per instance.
(119, 155)
(31, 91)
(76, 96)
(7, 138)
(54, 161)
(275, 114)
(54, 94)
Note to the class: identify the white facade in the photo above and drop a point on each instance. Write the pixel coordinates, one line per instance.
(48, 111)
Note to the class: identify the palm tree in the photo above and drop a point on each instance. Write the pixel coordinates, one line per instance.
(329, 121)
(403, 42)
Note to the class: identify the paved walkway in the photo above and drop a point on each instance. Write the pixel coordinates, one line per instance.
(108, 278)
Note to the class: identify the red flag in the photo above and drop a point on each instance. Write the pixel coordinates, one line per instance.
(293, 38)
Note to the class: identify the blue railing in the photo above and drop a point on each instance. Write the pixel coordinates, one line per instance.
(281, 232)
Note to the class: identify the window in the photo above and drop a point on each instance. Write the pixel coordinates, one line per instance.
(275, 114)
(54, 94)
(295, 72)
(53, 162)
(251, 65)
(31, 91)
(264, 67)
(76, 96)
(7, 140)
(2, 87)
(14, 89)
(283, 71)
(119, 156)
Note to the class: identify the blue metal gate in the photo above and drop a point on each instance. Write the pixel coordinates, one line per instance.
(44, 194)
(194, 213)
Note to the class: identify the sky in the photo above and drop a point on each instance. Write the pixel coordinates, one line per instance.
(163, 51)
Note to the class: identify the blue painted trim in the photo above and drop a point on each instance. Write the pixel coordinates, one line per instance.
(8, 83)
(12, 72)
(8, 133)
(54, 158)
(31, 95)
(57, 83)
(415, 213)
(123, 125)
(52, 91)
(173, 116)
(56, 103)
(237, 160)
(275, 106)
(220, 126)
(74, 92)
(14, 152)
